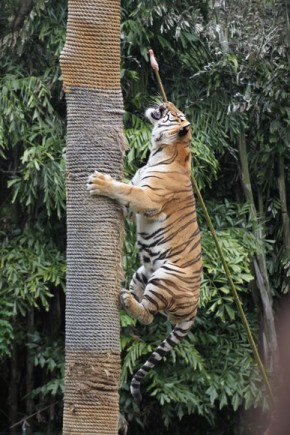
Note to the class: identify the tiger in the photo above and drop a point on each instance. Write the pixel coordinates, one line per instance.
(160, 196)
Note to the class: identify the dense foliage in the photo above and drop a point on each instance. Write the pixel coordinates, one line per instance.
(32, 144)
(226, 65)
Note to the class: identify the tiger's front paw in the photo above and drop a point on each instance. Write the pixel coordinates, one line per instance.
(100, 184)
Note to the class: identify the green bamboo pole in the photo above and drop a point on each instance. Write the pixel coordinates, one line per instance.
(234, 293)
(251, 340)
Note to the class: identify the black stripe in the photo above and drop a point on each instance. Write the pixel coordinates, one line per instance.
(160, 297)
(151, 176)
(162, 352)
(153, 360)
(151, 301)
(171, 342)
(156, 152)
(171, 269)
(138, 277)
(151, 245)
(139, 376)
(179, 337)
(146, 249)
(150, 187)
(147, 236)
(166, 162)
(191, 262)
(183, 331)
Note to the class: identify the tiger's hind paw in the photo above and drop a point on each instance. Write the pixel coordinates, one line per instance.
(126, 299)
(134, 308)
(129, 301)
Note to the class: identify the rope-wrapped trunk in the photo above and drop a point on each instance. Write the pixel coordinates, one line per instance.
(90, 64)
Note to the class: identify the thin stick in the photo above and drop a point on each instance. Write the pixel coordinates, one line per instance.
(234, 293)
(155, 67)
(251, 340)
(32, 415)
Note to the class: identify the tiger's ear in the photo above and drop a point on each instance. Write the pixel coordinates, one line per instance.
(184, 130)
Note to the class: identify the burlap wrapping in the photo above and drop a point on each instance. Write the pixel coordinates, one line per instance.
(90, 65)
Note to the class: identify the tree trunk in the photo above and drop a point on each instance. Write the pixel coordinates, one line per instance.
(285, 221)
(220, 8)
(13, 388)
(259, 263)
(90, 64)
(24, 9)
(284, 208)
(29, 402)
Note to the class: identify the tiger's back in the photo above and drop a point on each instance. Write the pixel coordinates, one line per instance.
(170, 236)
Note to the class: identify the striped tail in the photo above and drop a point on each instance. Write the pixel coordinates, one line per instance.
(175, 337)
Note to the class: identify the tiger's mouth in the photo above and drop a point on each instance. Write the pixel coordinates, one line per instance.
(155, 114)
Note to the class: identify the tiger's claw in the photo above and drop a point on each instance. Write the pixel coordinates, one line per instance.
(99, 184)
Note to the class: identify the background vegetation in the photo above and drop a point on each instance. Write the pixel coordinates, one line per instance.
(226, 64)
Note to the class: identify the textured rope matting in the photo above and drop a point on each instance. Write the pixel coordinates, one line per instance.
(92, 384)
(94, 271)
(91, 70)
(94, 225)
(91, 55)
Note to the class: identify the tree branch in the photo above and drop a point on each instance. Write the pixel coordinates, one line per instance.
(23, 10)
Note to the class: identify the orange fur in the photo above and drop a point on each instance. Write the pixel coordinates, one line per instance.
(168, 237)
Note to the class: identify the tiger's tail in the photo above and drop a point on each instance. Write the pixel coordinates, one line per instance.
(174, 338)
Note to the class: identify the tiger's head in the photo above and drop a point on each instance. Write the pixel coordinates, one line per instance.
(170, 125)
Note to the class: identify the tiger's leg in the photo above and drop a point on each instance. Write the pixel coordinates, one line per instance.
(139, 198)
(153, 300)
(128, 213)
(138, 283)
(136, 309)
(131, 298)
